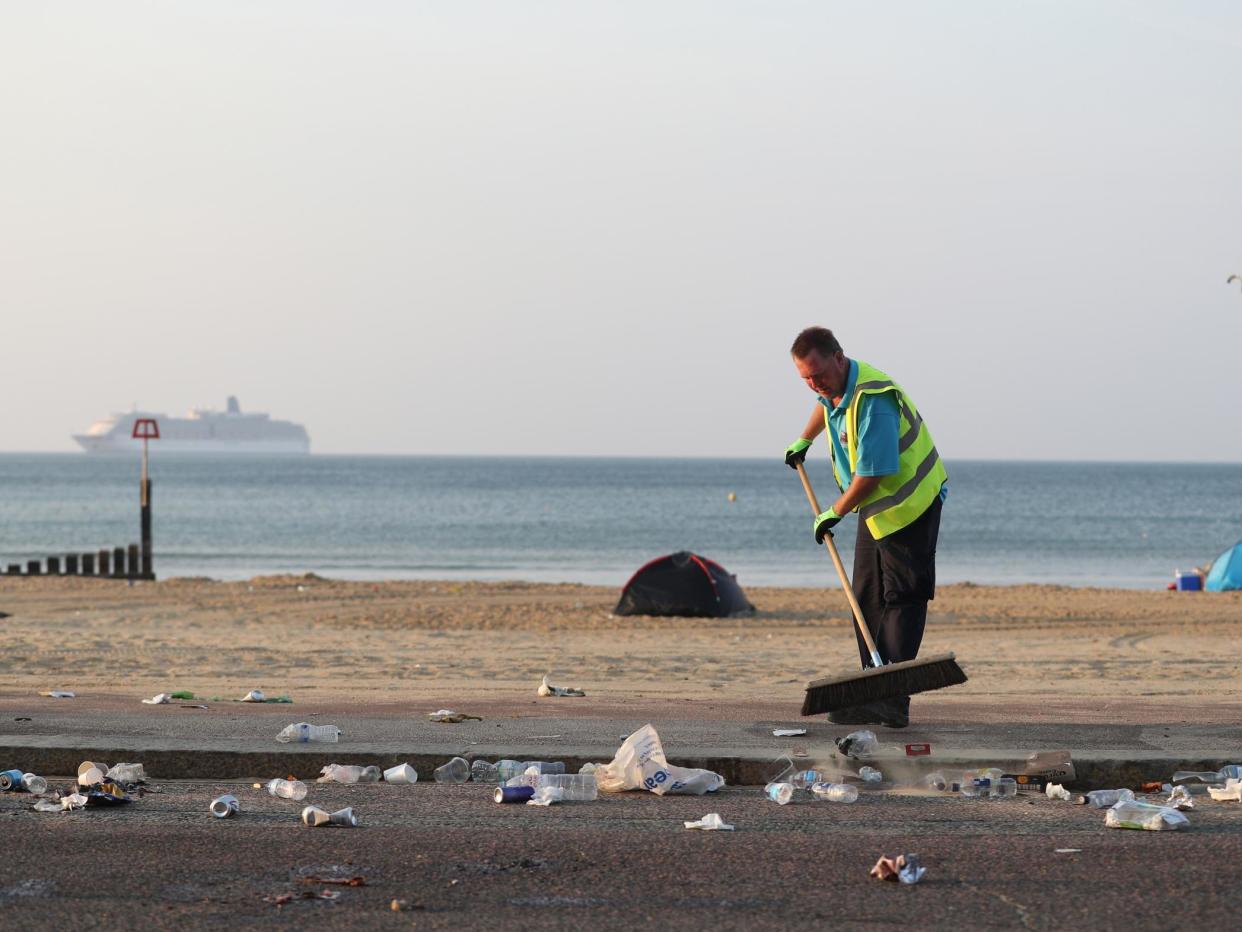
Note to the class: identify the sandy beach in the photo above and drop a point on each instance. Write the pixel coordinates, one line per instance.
(318, 639)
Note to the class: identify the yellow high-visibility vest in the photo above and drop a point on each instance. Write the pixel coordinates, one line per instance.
(901, 498)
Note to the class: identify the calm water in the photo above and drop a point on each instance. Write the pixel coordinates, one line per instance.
(596, 520)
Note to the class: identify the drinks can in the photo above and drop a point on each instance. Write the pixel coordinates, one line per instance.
(11, 780)
(513, 794)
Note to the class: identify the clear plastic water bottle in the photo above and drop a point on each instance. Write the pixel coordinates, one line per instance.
(33, 783)
(835, 792)
(545, 766)
(455, 771)
(303, 732)
(287, 789)
(805, 779)
(1004, 788)
(575, 786)
(1104, 799)
(779, 793)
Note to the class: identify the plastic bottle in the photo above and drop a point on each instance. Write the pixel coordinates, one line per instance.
(455, 771)
(303, 732)
(342, 773)
(835, 792)
(33, 783)
(1004, 788)
(287, 789)
(779, 793)
(1103, 799)
(805, 779)
(575, 786)
(870, 775)
(936, 781)
(482, 771)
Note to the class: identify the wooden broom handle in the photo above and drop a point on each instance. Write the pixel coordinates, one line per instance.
(845, 580)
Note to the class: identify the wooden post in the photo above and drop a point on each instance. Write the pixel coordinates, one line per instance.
(105, 562)
(146, 571)
(71, 564)
(15, 569)
(134, 564)
(118, 562)
(34, 568)
(88, 564)
(53, 566)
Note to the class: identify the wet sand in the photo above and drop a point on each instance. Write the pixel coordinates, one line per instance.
(363, 642)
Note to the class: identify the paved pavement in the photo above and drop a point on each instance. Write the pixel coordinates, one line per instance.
(232, 740)
(453, 859)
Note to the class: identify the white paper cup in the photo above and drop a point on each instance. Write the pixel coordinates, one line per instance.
(402, 773)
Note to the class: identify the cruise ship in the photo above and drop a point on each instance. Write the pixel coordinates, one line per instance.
(201, 431)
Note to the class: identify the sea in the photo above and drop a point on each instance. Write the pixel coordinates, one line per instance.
(596, 520)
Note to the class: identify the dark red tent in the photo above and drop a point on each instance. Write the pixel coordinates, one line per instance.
(683, 584)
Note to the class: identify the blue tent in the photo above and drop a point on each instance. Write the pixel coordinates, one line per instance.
(1226, 571)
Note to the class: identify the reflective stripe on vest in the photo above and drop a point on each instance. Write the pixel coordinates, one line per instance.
(901, 498)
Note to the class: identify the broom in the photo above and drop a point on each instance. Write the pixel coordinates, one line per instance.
(880, 680)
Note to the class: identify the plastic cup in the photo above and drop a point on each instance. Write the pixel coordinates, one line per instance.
(402, 773)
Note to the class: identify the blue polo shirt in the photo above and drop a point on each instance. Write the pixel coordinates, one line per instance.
(879, 426)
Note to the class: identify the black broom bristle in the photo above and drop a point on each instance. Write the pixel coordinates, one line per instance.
(886, 682)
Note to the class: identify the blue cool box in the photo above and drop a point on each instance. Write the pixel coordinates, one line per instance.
(1189, 582)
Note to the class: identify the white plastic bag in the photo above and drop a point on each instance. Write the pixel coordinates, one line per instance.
(640, 764)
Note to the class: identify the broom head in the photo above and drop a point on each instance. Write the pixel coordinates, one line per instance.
(887, 682)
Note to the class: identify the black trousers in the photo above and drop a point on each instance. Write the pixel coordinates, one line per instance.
(894, 578)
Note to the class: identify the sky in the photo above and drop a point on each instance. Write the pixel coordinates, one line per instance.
(568, 227)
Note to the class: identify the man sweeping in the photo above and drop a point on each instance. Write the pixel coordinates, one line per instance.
(887, 469)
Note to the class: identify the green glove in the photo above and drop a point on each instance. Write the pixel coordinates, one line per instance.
(795, 453)
(824, 523)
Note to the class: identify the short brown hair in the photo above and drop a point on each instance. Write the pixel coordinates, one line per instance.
(814, 338)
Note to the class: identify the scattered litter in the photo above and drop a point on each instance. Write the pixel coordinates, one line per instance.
(547, 689)
(779, 793)
(870, 775)
(316, 817)
(1154, 786)
(1057, 791)
(513, 794)
(905, 868)
(11, 780)
(90, 773)
(921, 749)
(858, 744)
(449, 717)
(1067, 851)
(402, 773)
(106, 794)
(358, 881)
(181, 694)
(303, 732)
(287, 789)
(127, 773)
(786, 733)
(255, 695)
(34, 784)
(157, 699)
(224, 806)
(349, 773)
(1132, 814)
(60, 694)
(1231, 792)
(835, 792)
(710, 823)
(640, 764)
(1204, 776)
(62, 804)
(280, 899)
(456, 771)
(546, 796)
(1180, 799)
(1104, 799)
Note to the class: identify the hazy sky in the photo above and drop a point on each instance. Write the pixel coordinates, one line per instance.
(576, 227)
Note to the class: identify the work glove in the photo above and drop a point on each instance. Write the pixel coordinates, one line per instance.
(795, 453)
(825, 521)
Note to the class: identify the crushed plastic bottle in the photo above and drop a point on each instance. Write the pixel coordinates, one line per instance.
(33, 783)
(1103, 799)
(858, 744)
(576, 787)
(287, 789)
(456, 771)
(1218, 777)
(779, 793)
(224, 806)
(127, 773)
(870, 775)
(936, 781)
(303, 732)
(1129, 813)
(834, 792)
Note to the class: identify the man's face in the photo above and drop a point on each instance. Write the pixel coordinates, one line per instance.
(824, 375)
